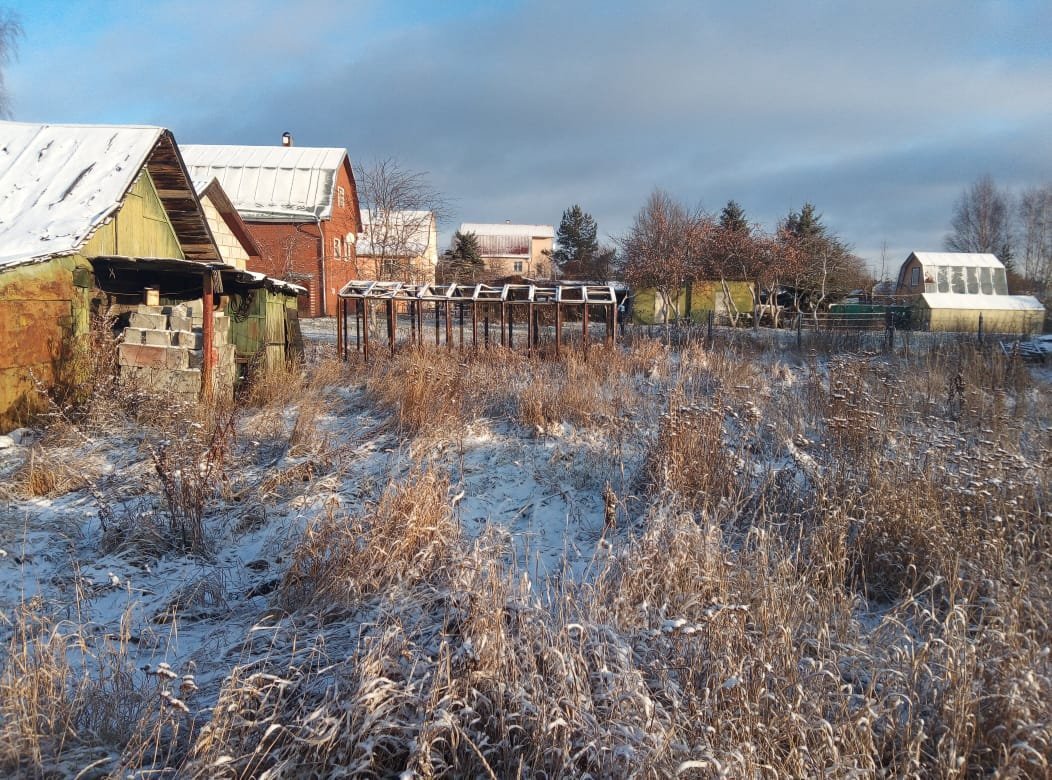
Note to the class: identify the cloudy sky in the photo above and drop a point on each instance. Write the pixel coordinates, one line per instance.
(880, 113)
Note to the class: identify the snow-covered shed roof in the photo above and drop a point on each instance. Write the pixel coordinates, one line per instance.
(406, 231)
(967, 302)
(59, 183)
(271, 183)
(507, 229)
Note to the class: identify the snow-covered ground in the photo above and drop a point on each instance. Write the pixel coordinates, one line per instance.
(71, 552)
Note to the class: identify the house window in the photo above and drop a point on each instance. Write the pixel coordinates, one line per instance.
(341, 197)
(915, 276)
(337, 248)
(518, 266)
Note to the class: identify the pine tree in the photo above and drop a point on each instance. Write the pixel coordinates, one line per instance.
(577, 245)
(807, 223)
(463, 260)
(733, 218)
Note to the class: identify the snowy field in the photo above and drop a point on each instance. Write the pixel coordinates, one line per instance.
(735, 561)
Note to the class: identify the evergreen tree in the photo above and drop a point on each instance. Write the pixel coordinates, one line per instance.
(576, 242)
(463, 259)
(806, 223)
(733, 218)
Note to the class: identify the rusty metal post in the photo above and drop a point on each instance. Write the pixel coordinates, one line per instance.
(339, 328)
(358, 324)
(208, 326)
(412, 323)
(365, 330)
(391, 324)
(449, 325)
(485, 324)
(460, 316)
(474, 324)
(531, 331)
(558, 328)
(613, 315)
(584, 325)
(503, 317)
(511, 326)
(437, 341)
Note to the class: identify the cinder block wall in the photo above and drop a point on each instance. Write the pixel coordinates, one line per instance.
(162, 351)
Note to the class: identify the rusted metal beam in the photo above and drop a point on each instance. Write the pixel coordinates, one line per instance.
(365, 330)
(558, 327)
(584, 325)
(449, 325)
(503, 317)
(340, 305)
(475, 324)
(531, 335)
(391, 324)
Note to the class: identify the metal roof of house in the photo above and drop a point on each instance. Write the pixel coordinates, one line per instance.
(58, 183)
(507, 229)
(407, 232)
(960, 259)
(979, 302)
(271, 183)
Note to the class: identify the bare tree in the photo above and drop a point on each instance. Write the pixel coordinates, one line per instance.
(400, 214)
(10, 32)
(1035, 233)
(663, 248)
(981, 221)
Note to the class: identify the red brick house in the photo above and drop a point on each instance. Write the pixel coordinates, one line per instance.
(300, 205)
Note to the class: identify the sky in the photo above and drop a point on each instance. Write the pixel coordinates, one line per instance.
(879, 113)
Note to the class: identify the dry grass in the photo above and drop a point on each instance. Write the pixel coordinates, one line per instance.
(407, 536)
(837, 568)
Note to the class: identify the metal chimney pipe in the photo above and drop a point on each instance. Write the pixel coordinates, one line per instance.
(286, 139)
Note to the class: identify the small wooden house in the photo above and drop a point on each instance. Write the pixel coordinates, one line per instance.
(71, 195)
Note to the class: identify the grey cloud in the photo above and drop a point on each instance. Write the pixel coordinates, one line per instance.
(878, 113)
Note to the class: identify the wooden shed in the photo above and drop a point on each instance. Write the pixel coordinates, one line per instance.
(70, 194)
(264, 322)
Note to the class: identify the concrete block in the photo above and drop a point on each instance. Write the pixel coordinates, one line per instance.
(134, 336)
(187, 339)
(145, 308)
(185, 384)
(157, 338)
(151, 356)
(148, 320)
(195, 308)
(179, 322)
(195, 358)
(179, 310)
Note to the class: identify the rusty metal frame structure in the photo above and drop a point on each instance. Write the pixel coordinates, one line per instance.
(476, 303)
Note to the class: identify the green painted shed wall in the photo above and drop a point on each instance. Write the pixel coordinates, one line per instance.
(140, 227)
(258, 332)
